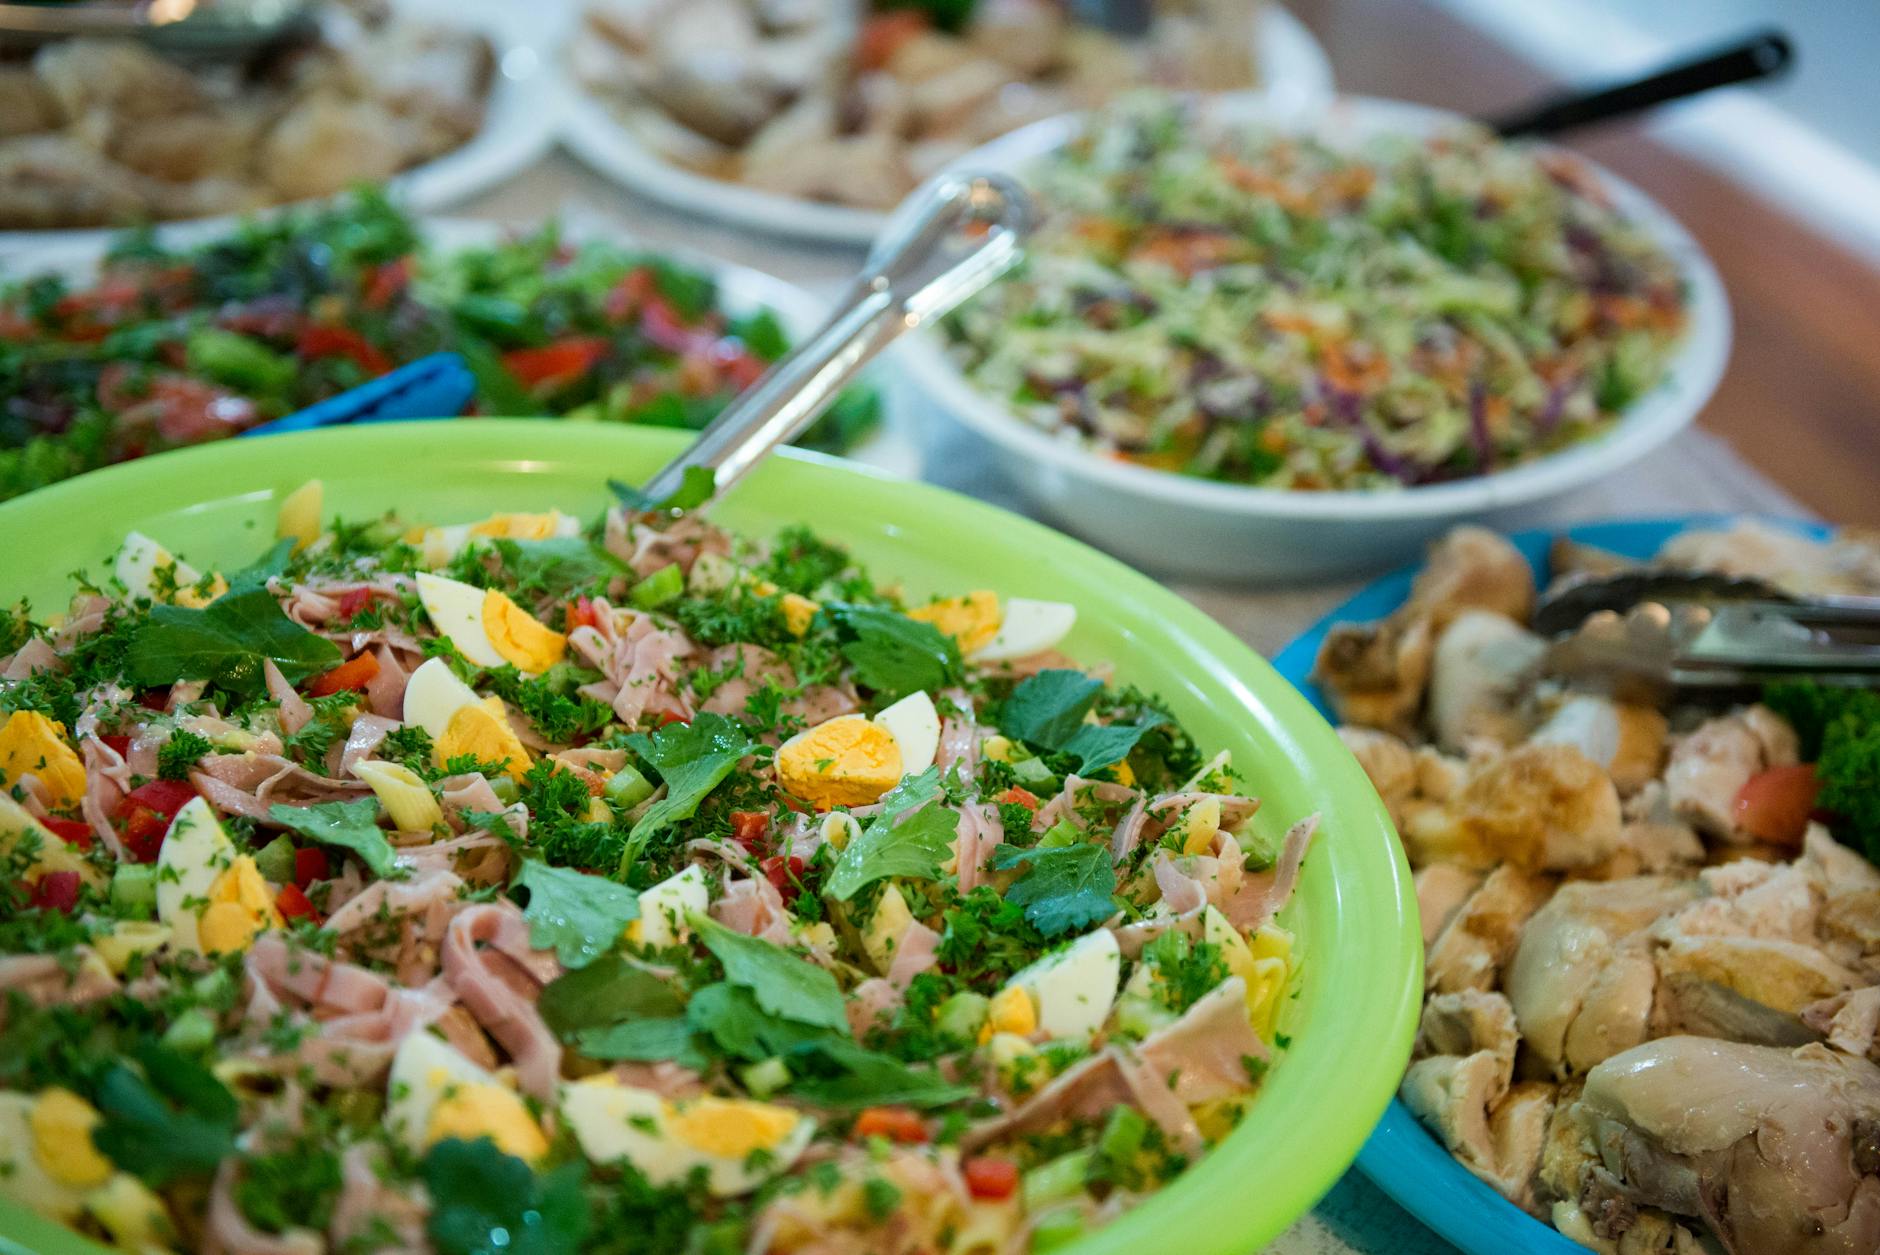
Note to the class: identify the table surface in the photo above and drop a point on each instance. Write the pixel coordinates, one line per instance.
(1694, 473)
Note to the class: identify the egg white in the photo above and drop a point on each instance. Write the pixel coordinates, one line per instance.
(138, 562)
(434, 694)
(1075, 987)
(915, 726)
(664, 907)
(424, 1069)
(456, 611)
(194, 853)
(614, 1122)
(1028, 627)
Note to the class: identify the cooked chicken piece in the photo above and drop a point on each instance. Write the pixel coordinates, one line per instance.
(1651, 839)
(1027, 36)
(1625, 738)
(929, 55)
(1373, 674)
(856, 169)
(1709, 767)
(1472, 567)
(1481, 673)
(705, 67)
(116, 76)
(25, 104)
(873, 102)
(1496, 1135)
(1581, 980)
(1387, 760)
(1439, 777)
(1470, 950)
(1850, 1021)
(630, 23)
(1568, 558)
(1694, 1006)
(1792, 562)
(1442, 889)
(944, 103)
(1543, 807)
(1095, 65)
(326, 145)
(927, 157)
(190, 146)
(431, 75)
(1783, 975)
(1214, 52)
(1470, 1021)
(1849, 925)
(1646, 1230)
(1776, 1152)
(1566, 1150)
(656, 128)
(51, 181)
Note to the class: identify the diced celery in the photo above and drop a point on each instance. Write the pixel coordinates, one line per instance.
(961, 1016)
(275, 860)
(627, 788)
(1063, 832)
(662, 586)
(1060, 1228)
(1032, 771)
(1122, 1135)
(190, 1032)
(505, 789)
(134, 890)
(1057, 1180)
(238, 361)
(766, 1078)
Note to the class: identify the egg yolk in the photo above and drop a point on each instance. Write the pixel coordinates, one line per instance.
(848, 761)
(730, 1128)
(1011, 1011)
(522, 639)
(471, 1111)
(480, 731)
(972, 621)
(195, 598)
(518, 526)
(62, 1123)
(240, 906)
(32, 743)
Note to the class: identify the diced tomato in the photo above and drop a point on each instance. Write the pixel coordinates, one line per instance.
(146, 812)
(785, 874)
(56, 891)
(322, 340)
(350, 676)
(897, 1124)
(1016, 796)
(630, 293)
(310, 865)
(353, 600)
(154, 699)
(748, 828)
(1775, 805)
(991, 1178)
(742, 368)
(71, 831)
(189, 411)
(661, 718)
(387, 283)
(293, 904)
(556, 363)
(120, 743)
(884, 34)
(582, 613)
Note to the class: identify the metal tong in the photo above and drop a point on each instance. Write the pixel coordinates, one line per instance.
(202, 30)
(942, 247)
(1645, 634)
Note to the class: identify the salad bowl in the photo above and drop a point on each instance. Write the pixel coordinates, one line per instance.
(1190, 526)
(1351, 1012)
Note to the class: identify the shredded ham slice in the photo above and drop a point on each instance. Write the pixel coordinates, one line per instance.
(1077, 789)
(498, 975)
(979, 833)
(1262, 894)
(752, 906)
(368, 1206)
(1205, 1051)
(874, 999)
(913, 954)
(45, 980)
(1088, 1090)
(400, 921)
(385, 692)
(227, 1231)
(639, 665)
(247, 784)
(30, 659)
(366, 735)
(295, 713)
(107, 780)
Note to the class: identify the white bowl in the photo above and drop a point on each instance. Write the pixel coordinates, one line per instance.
(1294, 73)
(1183, 525)
(520, 118)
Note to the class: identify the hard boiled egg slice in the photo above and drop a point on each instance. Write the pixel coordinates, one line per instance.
(847, 761)
(25, 1176)
(1028, 627)
(141, 559)
(211, 897)
(434, 1092)
(1075, 987)
(434, 694)
(915, 726)
(487, 627)
(440, 544)
(664, 907)
(971, 620)
(668, 1140)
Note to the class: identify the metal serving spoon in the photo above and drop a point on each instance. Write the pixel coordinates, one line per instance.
(206, 30)
(939, 249)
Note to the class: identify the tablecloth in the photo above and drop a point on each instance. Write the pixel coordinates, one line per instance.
(1694, 473)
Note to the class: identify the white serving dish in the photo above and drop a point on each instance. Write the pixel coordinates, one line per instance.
(519, 124)
(1293, 68)
(1181, 525)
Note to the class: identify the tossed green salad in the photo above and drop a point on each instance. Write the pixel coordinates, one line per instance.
(510, 885)
(1263, 309)
(166, 347)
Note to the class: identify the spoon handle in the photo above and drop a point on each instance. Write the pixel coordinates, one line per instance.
(1760, 56)
(935, 252)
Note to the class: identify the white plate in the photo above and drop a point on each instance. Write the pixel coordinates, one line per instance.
(1184, 525)
(741, 290)
(1293, 69)
(519, 122)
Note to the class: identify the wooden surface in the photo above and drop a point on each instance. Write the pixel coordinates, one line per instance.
(1801, 400)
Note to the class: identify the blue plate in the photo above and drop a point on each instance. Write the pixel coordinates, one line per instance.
(1401, 1156)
